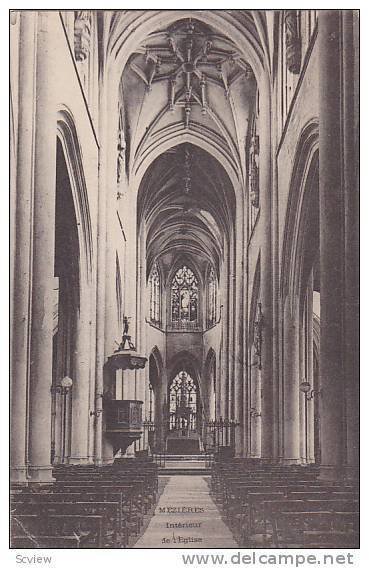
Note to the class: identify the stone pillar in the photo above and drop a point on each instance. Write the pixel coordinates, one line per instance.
(112, 331)
(22, 266)
(161, 408)
(350, 23)
(310, 367)
(332, 345)
(92, 329)
(43, 256)
(232, 310)
(114, 238)
(291, 414)
(255, 403)
(224, 378)
(142, 375)
(81, 384)
(240, 368)
(246, 348)
(218, 384)
(101, 271)
(277, 402)
(302, 376)
(266, 271)
(129, 206)
(60, 372)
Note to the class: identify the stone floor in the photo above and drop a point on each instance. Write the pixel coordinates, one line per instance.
(186, 517)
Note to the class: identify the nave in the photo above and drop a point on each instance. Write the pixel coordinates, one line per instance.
(184, 271)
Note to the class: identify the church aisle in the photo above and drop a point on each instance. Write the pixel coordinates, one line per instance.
(186, 517)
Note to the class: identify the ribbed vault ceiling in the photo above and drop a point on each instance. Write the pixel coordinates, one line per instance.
(187, 77)
(188, 204)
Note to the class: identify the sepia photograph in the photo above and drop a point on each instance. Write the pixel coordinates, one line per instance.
(184, 280)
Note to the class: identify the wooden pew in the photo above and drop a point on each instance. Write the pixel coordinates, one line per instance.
(272, 509)
(113, 530)
(242, 487)
(87, 530)
(291, 525)
(122, 493)
(129, 520)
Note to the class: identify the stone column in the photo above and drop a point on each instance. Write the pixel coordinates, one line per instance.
(246, 348)
(310, 367)
(240, 368)
(266, 271)
(218, 383)
(92, 330)
(129, 206)
(277, 402)
(22, 265)
(332, 345)
(101, 270)
(350, 22)
(255, 402)
(43, 256)
(302, 376)
(224, 377)
(114, 237)
(142, 375)
(291, 414)
(161, 407)
(112, 330)
(231, 323)
(81, 384)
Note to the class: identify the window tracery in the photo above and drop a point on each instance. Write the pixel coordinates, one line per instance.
(184, 296)
(182, 402)
(154, 284)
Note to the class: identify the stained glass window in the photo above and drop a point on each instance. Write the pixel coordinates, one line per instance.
(154, 284)
(184, 296)
(212, 297)
(182, 402)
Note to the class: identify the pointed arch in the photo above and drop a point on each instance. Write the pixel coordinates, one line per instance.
(210, 374)
(303, 181)
(67, 135)
(155, 353)
(184, 359)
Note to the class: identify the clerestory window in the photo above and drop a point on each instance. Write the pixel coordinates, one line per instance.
(184, 296)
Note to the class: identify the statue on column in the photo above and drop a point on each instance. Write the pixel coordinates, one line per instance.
(82, 34)
(293, 41)
(258, 334)
(121, 157)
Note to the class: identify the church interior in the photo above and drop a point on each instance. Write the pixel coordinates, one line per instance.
(184, 277)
